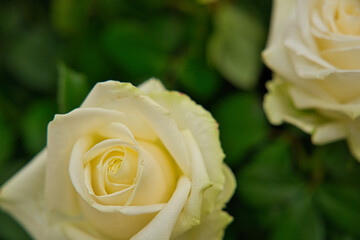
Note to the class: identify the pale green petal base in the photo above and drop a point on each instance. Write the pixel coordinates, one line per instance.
(211, 228)
(324, 126)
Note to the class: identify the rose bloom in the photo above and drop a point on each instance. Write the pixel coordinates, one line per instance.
(130, 163)
(314, 51)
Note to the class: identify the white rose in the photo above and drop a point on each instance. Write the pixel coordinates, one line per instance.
(130, 163)
(314, 51)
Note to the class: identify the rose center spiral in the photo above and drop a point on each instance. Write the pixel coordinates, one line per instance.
(347, 17)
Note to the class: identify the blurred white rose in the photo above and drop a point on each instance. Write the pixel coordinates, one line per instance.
(130, 163)
(314, 52)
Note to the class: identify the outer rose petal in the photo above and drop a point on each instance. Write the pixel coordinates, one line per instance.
(152, 85)
(275, 55)
(279, 108)
(211, 228)
(168, 216)
(229, 187)
(354, 139)
(23, 197)
(202, 125)
(192, 117)
(213, 224)
(75, 232)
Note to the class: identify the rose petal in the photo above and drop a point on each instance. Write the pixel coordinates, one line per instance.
(353, 138)
(328, 10)
(63, 131)
(125, 97)
(307, 63)
(329, 132)
(158, 179)
(168, 216)
(103, 146)
(279, 108)
(229, 188)
(275, 55)
(200, 182)
(303, 26)
(212, 228)
(343, 58)
(116, 222)
(204, 129)
(117, 130)
(74, 232)
(152, 85)
(23, 197)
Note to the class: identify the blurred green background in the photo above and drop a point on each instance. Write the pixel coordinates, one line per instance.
(53, 52)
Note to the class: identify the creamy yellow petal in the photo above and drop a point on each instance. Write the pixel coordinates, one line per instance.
(229, 187)
(63, 132)
(353, 139)
(279, 108)
(23, 197)
(204, 129)
(329, 132)
(74, 232)
(200, 182)
(157, 182)
(118, 222)
(168, 216)
(152, 85)
(212, 228)
(125, 97)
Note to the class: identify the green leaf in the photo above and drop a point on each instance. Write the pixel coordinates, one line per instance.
(339, 164)
(269, 179)
(342, 237)
(198, 78)
(69, 17)
(91, 60)
(340, 204)
(301, 221)
(11, 18)
(236, 44)
(31, 59)
(9, 229)
(242, 124)
(167, 31)
(34, 125)
(73, 88)
(134, 49)
(7, 141)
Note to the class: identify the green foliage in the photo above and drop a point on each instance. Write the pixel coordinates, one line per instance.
(31, 58)
(295, 200)
(7, 141)
(70, 17)
(242, 124)
(10, 230)
(73, 88)
(126, 41)
(34, 125)
(236, 45)
(198, 78)
(300, 221)
(268, 179)
(340, 203)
